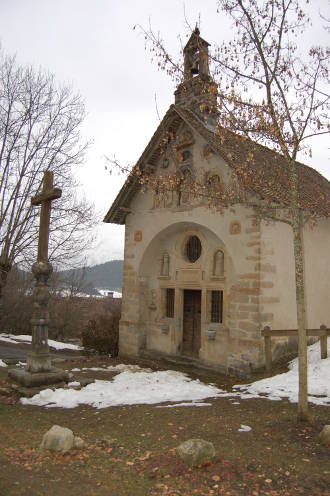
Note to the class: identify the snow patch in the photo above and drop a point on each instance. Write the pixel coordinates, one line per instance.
(135, 386)
(2, 363)
(25, 338)
(245, 428)
(286, 385)
(178, 405)
(130, 388)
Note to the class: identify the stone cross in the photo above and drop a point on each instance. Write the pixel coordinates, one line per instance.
(38, 359)
(47, 195)
(39, 370)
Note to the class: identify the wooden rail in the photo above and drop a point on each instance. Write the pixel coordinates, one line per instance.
(323, 332)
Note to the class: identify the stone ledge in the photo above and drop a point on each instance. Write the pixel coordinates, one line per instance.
(36, 379)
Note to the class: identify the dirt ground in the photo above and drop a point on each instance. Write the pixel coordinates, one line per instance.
(278, 457)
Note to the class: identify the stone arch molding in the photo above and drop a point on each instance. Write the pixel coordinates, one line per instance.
(170, 240)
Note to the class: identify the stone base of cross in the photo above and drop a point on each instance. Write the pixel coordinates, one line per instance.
(38, 359)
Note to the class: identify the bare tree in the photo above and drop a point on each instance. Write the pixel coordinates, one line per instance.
(276, 93)
(39, 130)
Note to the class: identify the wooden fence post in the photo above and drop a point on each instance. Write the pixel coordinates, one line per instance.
(324, 342)
(268, 350)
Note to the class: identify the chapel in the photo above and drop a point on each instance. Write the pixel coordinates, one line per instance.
(202, 277)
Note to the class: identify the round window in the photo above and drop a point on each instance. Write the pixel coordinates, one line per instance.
(193, 249)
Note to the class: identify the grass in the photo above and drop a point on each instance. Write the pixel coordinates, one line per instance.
(278, 457)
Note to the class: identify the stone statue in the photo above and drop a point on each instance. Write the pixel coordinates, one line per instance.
(218, 266)
(166, 265)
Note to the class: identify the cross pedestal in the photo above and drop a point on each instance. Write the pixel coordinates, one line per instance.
(39, 370)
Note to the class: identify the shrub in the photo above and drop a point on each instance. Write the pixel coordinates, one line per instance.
(102, 334)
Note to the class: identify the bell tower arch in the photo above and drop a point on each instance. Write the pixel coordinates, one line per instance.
(198, 91)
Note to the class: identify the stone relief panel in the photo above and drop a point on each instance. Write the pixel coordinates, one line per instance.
(235, 227)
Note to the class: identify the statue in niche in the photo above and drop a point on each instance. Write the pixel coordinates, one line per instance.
(185, 138)
(185, 186)
(165, 265)
(218, 266)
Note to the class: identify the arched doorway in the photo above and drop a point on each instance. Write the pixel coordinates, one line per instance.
(184, 282)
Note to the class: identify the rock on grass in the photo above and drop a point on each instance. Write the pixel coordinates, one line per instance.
(324, 435)
(60, 439)
(196, 452)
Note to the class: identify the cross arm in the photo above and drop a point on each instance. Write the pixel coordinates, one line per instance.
(49, 195)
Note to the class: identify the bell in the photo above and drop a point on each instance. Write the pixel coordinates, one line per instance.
(194, 70)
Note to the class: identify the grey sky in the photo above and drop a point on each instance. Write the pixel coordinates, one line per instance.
(92, 45)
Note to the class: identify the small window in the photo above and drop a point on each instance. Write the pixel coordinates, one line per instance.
(216, 306)
(185, 155)
(170, 302)
(193, 249)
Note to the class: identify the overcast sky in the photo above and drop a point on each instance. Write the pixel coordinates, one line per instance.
(91, 44)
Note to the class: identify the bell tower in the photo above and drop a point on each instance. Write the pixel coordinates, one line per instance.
(198, 91)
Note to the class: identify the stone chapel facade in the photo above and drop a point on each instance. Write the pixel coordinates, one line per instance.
(202, 282)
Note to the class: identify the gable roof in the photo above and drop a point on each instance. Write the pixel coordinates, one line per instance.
(267, 170)
(195, 40)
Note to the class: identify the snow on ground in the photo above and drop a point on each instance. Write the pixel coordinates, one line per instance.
(286, 385)
(245, 428)
(25, 338)
(2, 363)
(136, 386)
(130, 388)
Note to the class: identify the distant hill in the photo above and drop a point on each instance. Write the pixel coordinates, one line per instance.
(108, 275)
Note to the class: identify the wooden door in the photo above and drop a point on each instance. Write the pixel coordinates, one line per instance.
(191, 341)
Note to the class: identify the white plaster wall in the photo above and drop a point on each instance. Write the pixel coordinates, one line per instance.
(317, 273)
(277, 252)
(277, 247)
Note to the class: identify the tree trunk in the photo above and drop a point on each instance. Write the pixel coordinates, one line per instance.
(4, 270)
(297, 226)
(301, 316)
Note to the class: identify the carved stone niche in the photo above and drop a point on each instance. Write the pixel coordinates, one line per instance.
(184, 139)
(165, 266)
(165, 163)
(206, 151)
(218, 269)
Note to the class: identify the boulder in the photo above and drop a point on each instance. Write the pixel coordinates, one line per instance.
(59, 439)
(196, 452)
(324, 435)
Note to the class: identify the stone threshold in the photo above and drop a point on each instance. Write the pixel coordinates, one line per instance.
(182, 360)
